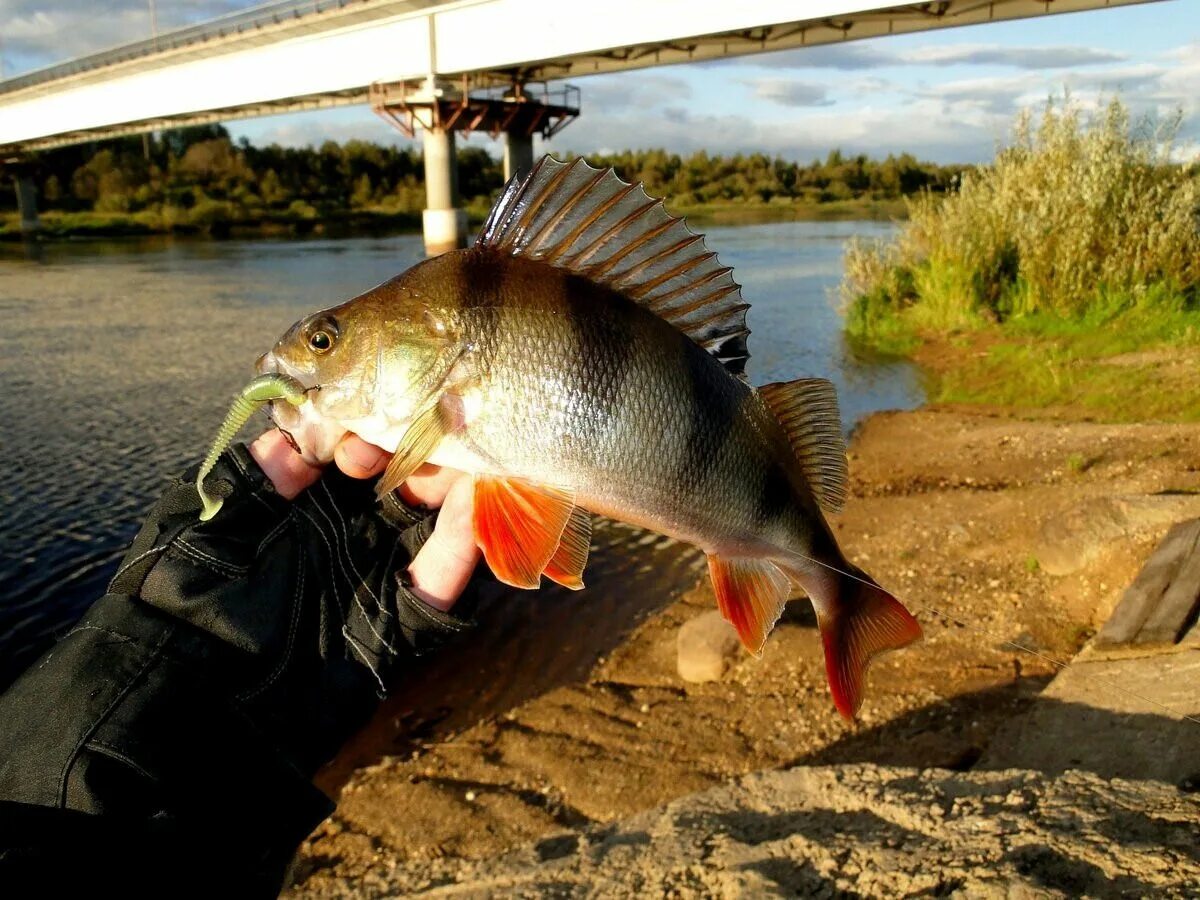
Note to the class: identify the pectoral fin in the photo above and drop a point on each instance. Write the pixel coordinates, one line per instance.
(518, 526)
(417, 445)
(567, 563)
(751, 594)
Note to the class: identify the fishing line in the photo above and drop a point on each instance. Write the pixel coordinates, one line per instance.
(1056, 663)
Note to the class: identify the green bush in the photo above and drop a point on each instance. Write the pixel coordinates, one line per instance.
(299, 209)
(1079, 217)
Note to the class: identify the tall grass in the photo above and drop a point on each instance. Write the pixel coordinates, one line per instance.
(1083, 218)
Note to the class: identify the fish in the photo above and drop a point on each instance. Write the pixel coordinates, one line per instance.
(587, 355)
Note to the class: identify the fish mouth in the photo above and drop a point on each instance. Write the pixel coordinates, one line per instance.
(307, 431)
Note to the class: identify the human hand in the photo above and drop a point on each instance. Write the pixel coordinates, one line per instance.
(231, 657)
(443, 566)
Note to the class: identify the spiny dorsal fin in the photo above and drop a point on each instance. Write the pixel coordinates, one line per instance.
(807, 410)
(592, 223)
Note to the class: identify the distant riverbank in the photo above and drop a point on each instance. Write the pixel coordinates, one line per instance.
(56, 224)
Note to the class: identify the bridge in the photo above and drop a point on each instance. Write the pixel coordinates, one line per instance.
(440, 67)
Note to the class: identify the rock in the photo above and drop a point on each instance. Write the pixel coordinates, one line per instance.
(707, 646)
(1074, 538)
(811, 831)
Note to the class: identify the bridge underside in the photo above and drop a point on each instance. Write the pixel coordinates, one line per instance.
(447, 57)
(202, 117)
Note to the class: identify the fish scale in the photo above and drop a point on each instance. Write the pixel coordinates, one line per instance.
(588, 355)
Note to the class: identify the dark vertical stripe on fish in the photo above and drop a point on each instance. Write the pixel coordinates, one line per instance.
(713, 409)
(774, 496)
(481, 291)
(603, 345)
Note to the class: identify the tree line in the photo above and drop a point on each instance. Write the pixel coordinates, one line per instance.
(200, 177)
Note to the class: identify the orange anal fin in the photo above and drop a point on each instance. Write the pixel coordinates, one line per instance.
(751, 594)
(567, 563)
(859, 620)
(518, 526)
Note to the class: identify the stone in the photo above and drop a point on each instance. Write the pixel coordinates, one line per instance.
(706, 647)
(1074, 538)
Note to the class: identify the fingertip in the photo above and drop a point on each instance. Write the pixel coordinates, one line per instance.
(358, 459)
(428, 486)
(279, 461)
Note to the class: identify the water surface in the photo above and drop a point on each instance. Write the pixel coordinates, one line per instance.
(118, 359)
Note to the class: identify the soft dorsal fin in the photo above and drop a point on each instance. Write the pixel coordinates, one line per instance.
(807, 410)
(591, 222)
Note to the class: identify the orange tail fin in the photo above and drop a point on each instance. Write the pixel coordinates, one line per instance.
(859, 620)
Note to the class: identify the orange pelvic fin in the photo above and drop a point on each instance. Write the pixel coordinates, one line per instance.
(518, 526)
(859, 620)
(751, 594)
(567, 563)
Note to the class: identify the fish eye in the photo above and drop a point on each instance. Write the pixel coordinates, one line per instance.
(322, 334)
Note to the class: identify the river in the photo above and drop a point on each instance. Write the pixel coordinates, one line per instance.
(118, 359)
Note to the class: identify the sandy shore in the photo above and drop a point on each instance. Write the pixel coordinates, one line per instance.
(566, 711)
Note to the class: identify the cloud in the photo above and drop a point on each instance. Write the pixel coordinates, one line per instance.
(850, 57)
(313, 128)
(35, 36)
(1144, 88)
(811, 133)
(1038, 58)
(791, 93)
(638, 90)
(863, 55)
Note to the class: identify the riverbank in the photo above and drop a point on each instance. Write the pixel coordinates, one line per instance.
(1138, 366)
(56, 225)
(977, 519)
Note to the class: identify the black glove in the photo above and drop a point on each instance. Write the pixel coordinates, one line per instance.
(228, 661)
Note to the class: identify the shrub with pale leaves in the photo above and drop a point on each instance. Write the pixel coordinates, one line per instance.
(1077, 212)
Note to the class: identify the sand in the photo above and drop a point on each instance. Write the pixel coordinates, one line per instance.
(849, 831)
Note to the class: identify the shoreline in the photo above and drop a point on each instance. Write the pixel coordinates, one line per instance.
(59, 225)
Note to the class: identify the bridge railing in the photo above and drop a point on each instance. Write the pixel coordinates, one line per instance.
(246, 20)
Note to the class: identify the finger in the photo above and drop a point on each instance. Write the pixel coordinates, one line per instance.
(444, 565)
(286, 469)
(428, 486)
(358, 459)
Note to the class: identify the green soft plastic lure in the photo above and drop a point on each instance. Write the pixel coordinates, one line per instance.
(262, 389)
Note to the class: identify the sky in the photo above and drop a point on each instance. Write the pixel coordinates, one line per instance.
(947, 96)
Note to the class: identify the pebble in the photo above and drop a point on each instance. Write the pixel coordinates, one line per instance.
(706, 647)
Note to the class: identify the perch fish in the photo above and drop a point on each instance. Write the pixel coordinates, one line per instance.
(587, 355)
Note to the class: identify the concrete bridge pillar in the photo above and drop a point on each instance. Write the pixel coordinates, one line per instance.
(444, 223)
(26, 202)
(518, 154)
